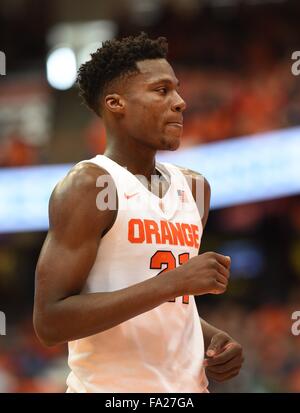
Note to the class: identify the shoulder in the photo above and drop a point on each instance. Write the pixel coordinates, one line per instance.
(194, 177)
(199, 186)
(81, 176)
(81, 179)
(73, 199)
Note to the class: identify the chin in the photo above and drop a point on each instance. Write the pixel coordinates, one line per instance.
(175, 146)
(170, 144)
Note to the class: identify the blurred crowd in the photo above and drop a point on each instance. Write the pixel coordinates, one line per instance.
(234, 66)
(272, 352)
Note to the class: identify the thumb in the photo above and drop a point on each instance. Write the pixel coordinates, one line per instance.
(218, 341)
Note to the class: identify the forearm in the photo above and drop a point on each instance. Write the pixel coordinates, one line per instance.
(208, 332)
(83, 315)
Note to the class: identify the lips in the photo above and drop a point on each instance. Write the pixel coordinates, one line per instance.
(175, 125)
(179, 124)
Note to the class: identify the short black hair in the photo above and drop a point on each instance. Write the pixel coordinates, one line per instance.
(114, 59)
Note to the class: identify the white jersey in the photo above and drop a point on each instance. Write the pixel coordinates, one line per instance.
(161, 350)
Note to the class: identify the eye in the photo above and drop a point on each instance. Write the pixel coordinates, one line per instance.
(162, 90)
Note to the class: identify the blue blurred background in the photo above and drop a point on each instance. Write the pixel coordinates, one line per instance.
(242, 131)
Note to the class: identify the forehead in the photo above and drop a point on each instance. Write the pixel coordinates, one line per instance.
(154, 70)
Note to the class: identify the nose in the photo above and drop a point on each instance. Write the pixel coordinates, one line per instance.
(179, 105)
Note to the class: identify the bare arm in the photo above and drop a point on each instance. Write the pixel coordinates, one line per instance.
(208, 332)
(61, 313)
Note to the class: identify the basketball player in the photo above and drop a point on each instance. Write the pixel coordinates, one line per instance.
(118, 284)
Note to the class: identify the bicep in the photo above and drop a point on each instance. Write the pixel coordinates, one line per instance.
(62, 269)
(70, 249)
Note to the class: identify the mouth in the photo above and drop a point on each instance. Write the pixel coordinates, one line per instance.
(176, 124)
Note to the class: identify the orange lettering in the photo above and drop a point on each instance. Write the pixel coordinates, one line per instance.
(177, 233)
(165, 233)
(195, 230)
(188, 235)
(131, 231)
(151, 228)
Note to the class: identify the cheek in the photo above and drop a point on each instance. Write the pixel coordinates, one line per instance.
(150, 119)
(137, 112)
(146, 115)
(154, 116)
(135, 117)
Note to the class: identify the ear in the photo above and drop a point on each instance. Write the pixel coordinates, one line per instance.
(114, 103)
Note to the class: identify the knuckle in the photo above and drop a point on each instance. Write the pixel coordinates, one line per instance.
(239, 349)
(211, 256)
(223, 288)
(217, 273)
(215, 264)
(206, 255)
(211, 263)
(215, 283)
(226, 282)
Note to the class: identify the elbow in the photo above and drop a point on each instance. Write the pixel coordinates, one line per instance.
(45, 341)
(44, 332)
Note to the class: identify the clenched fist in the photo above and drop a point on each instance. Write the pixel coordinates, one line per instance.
(207, 273)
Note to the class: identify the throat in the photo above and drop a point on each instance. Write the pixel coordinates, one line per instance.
(159, 183)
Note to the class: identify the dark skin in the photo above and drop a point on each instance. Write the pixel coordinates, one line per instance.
(147, 101)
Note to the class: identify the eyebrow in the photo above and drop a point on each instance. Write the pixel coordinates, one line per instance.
(164, 80)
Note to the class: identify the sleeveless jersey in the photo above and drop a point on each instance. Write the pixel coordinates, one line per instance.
(161, 350)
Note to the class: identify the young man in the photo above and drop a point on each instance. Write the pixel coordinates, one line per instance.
(118, 283)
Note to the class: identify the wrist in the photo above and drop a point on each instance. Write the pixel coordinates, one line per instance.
(171, 284)
(208, 332)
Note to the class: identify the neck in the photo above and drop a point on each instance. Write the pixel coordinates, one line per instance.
(138, 159)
